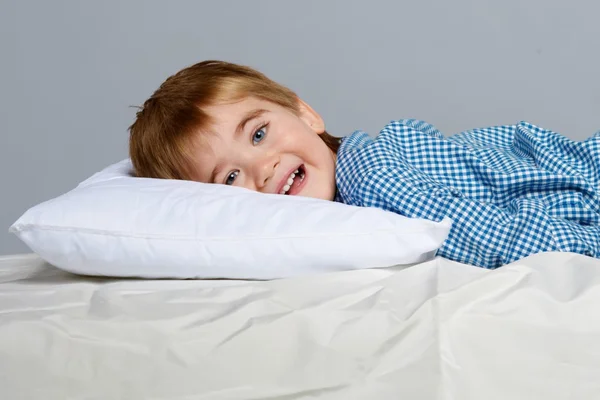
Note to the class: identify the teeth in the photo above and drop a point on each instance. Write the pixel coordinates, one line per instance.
(290, 181)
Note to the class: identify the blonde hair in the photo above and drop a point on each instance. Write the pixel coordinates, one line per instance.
(161, 136)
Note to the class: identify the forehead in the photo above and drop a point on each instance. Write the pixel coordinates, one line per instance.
(227, 114)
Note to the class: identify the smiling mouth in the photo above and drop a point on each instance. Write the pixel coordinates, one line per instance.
(295, 179)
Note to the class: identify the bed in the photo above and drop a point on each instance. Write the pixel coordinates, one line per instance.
(436, 330)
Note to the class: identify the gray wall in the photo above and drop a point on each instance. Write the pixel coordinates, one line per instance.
(70, 70)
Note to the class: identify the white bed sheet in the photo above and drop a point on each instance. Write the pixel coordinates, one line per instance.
(438, 330)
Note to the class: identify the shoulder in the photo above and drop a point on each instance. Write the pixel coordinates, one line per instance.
(396, 132)
(360, 138)
(411, 126)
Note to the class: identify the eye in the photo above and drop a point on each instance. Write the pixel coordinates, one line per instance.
(259, 135)
(231, 177)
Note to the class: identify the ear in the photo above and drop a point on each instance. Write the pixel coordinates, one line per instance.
(311, 117)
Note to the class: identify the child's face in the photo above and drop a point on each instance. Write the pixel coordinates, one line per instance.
(262, 146)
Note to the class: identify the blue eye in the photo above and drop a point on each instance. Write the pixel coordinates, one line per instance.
(231, 177)
(259, 135)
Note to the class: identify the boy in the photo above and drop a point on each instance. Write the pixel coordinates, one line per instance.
(511, 191)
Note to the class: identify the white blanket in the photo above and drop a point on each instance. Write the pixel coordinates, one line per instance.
(438, 330)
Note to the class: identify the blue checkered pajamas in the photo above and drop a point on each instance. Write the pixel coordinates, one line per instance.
(511, 191)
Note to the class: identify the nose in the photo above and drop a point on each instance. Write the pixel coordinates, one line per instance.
(264, 170)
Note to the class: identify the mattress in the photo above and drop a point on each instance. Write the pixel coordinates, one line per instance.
(437, 330)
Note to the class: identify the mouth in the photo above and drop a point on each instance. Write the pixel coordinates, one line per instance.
(293, 183)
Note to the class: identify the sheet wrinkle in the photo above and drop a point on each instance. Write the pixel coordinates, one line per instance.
(437, 323)
(60, 324)
(252, 322)
(489, 281)
(565, 284)
(336, 296)
(39, 310)
(519, 280)
(367, 299)
(209, 312)
(304, 393)
(365, 303)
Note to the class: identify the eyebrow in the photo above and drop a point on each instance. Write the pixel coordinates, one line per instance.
(249, 116)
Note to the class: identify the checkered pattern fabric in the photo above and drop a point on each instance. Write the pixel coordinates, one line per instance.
(510, 191)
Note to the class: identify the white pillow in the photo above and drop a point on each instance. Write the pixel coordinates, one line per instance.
(114, 224)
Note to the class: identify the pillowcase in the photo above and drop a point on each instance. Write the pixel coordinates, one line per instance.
(114, 224)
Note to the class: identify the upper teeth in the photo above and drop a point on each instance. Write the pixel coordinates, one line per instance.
(289, 183)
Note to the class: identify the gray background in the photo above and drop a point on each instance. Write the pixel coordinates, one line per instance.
(71, 70)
